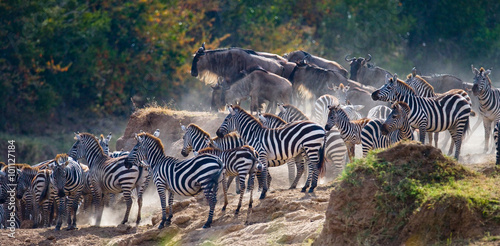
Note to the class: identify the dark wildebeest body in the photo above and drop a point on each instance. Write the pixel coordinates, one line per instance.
(258, 84)
(227, 63)
(365, 73)
(299, 55)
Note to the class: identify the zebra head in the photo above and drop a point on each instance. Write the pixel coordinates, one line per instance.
(229, 122)
(139, 155)
(481, 80)
(104, 142)
(397, 118)
(59, 173)
(387, 92)
(23, 182)
(188, 141)
(334, 114)
(77, 151)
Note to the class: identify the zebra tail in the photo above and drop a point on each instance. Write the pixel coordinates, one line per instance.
(321, 163)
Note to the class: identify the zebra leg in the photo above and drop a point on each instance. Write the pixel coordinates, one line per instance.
(436, 139)
(487, 133)
(263, 162)
(224, 189)
(229, 181)
(430, 137)
(291, 173)
(73, 207)
(422, 131)
(140, 191)
(97, 198)
(251, 177)
(299, 163)
(128, 202)
(241, 181)
(210, 191)
(161, 193)
(457, 138)
(60, 212)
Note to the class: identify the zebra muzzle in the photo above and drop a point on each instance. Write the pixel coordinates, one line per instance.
(61, 193)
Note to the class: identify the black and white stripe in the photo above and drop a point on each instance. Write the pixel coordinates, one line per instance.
(43, 193)
(108, 175)
(489, 101)
(68, 180)
(379, 112)
(384, 133)
(238, 162)
(279, 144)
(183, 177)
(195, 138)
(447, 112)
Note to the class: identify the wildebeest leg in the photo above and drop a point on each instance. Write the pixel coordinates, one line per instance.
(271, 107)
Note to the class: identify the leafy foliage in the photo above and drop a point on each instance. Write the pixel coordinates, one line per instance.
(64, 56)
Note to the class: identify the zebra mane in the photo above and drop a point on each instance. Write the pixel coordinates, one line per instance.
(481, 72)
(363, 121)
(424, 82)
(242, 111)
(150, 136)
(404, 105)
(403, 84)
(275, 117)
(295, 109)
(62, 156)
(91, 136)
(198, 128)
(208, 149)
(18, 166)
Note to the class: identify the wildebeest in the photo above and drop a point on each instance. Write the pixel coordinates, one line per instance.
(299, 55)
(256, 83)
(209, 65)
(365, 73)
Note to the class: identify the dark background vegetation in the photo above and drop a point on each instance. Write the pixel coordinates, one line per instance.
(64, 63)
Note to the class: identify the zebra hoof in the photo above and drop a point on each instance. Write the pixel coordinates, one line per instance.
(57, 228)
(311, 190)
(262, 196)
(223, 208)
(207, 225)
(303, 189)
(292, 188)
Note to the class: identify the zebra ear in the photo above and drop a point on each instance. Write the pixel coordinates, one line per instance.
(347, 87)
(395, 77)
(156, 133)
(109, 137)
(487, 72)
(231, 110)
(183, 128)
(262, 118)
(77, 136)
(195, 153)
(414, 72)
(474, 70)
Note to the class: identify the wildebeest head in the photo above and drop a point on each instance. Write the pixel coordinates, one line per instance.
(356, 64)
(481, 80)
(196, 59)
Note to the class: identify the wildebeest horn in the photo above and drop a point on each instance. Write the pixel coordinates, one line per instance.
(331, 88)
(369, 58)
(349, 60)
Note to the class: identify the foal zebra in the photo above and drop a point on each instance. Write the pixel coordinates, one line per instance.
(489, 98)
(104, 143)
(447, 112)
(350, 131)
(68, 180)
(279, 144)
(382, 134)
(108, 175)
(183, 177)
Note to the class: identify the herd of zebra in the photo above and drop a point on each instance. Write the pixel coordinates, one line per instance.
(245, 146)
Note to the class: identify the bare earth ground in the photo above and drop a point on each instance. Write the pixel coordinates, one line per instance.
(284, 217)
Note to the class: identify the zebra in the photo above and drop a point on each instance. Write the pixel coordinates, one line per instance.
(196, 139)
(424, 89)
(382, 134)
(23, 188)
(335, 150)
(43, 193)
(241, 161)
(183, 177)
(68, 180)
(379, 112)
(488, 101)
(108, 175)
(279, 144)
(496, 139)
(350, 131)
(447, 112)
